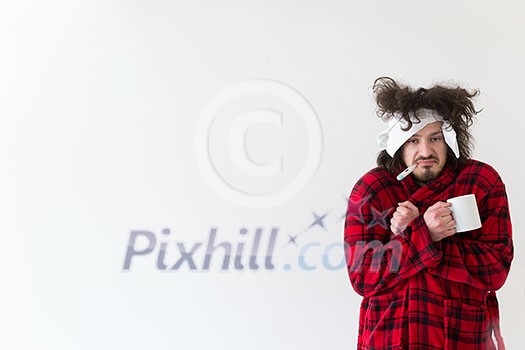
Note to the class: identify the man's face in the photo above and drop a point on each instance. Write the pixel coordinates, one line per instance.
(427, 147)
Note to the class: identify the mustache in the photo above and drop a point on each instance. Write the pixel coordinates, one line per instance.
(428, 158)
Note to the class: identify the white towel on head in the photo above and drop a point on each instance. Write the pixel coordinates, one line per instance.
(394, 136)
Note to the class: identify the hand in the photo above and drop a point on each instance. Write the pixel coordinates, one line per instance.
(439, 221)
(405, 213)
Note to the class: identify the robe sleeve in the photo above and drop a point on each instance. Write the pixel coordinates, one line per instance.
(481, 258)
(378, 260)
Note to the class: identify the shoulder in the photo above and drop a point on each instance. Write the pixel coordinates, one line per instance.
(375, 180)
(478, 168)
(374, 175)
(480, 172)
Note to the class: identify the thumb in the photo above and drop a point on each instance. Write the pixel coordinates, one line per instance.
(408, 205)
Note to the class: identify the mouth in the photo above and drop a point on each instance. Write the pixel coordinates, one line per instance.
(427, 162)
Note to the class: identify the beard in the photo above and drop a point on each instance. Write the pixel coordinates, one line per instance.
(426, 174)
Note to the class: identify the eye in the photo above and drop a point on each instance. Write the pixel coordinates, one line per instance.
(413, 141)
(436, 139)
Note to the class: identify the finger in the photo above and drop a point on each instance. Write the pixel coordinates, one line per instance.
(439, 205)
(400, 217)
(443, 212)
(407, 204)
(446, 219)
(450, 232)
(438, 214)
(402, 210)
(394, 229)
(411, 206)
(408, 211)
(451, 225)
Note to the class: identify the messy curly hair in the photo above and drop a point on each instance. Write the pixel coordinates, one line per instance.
(454, 103)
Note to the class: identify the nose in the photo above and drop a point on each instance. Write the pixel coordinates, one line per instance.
(424, 150)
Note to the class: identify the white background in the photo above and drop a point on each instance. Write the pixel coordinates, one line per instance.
(99, 104)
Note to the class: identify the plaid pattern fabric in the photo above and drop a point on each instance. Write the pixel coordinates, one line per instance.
(419, 294)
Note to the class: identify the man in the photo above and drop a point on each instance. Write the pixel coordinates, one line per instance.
(424, 285)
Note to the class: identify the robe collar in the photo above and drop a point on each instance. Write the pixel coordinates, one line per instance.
(426, 195)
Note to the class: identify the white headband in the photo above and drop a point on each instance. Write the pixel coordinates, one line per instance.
(394, 137)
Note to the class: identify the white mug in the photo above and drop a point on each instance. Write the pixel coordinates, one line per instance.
(465, 212)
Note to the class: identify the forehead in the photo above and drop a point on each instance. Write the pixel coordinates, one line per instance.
(430, 129)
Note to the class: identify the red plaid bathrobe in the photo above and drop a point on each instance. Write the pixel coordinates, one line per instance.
(420, 294)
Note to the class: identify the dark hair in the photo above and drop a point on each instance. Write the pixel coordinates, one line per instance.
(452, 102)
